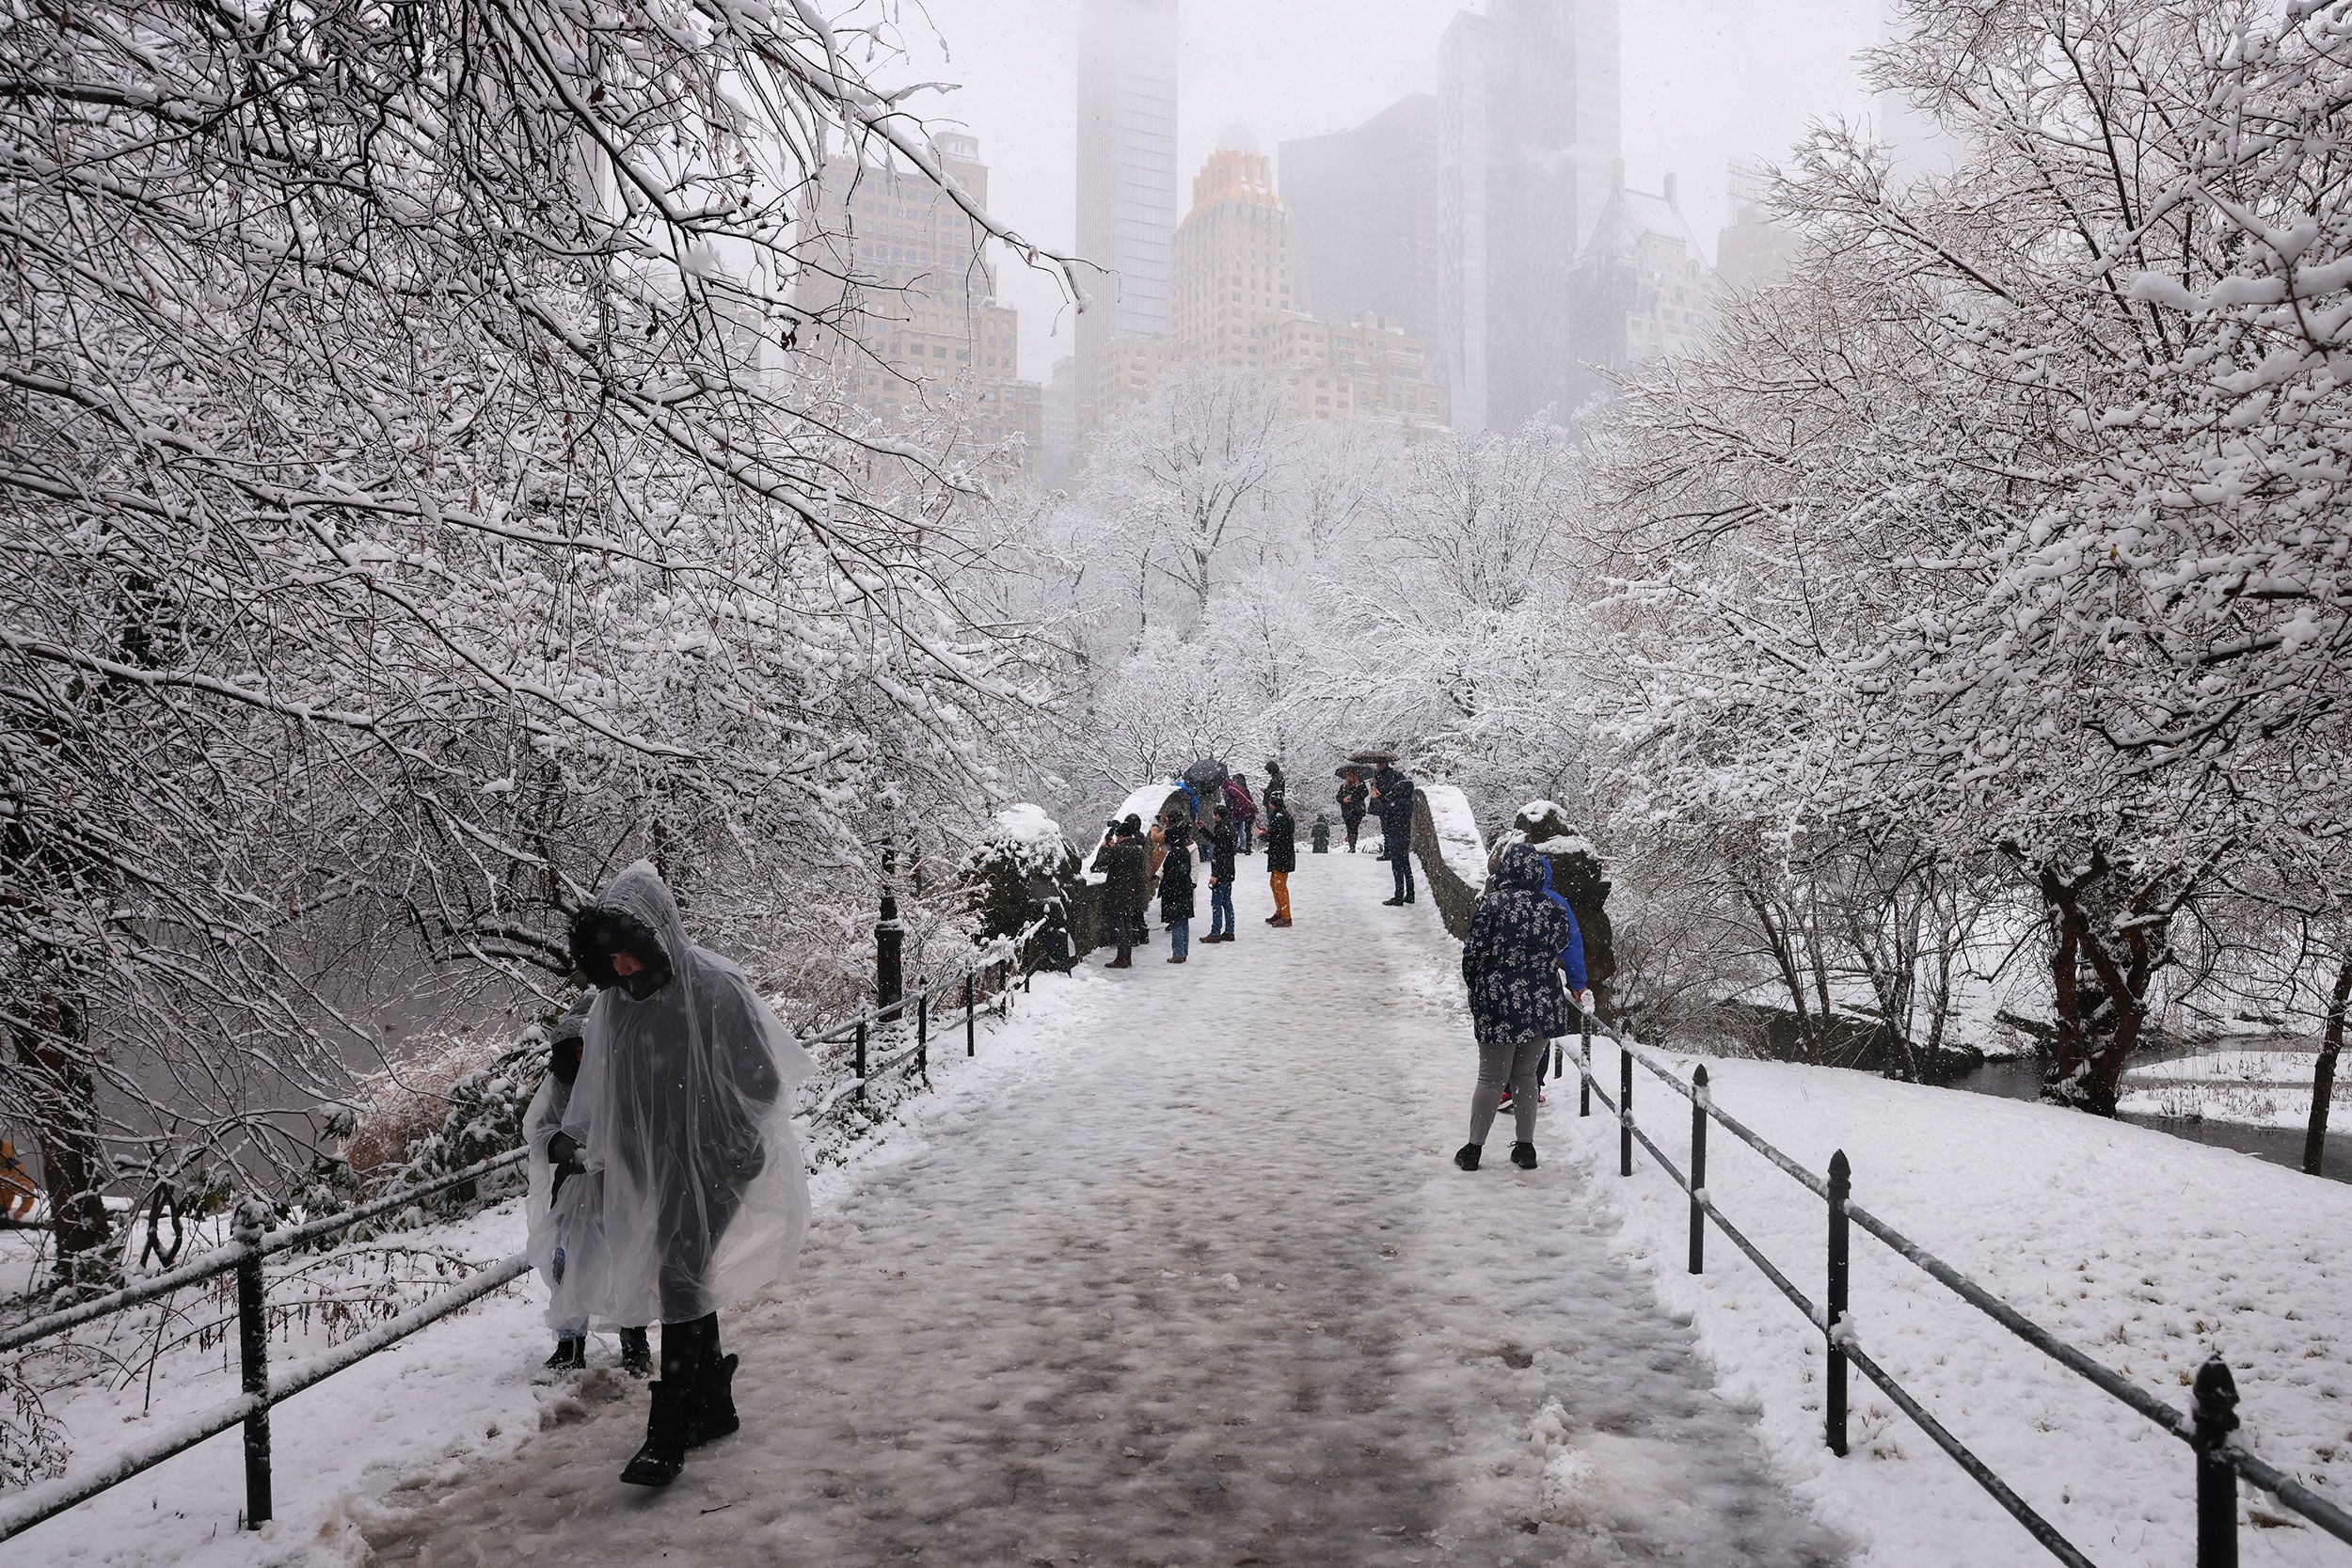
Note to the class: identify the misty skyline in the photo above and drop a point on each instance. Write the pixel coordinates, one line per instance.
(1703, 84)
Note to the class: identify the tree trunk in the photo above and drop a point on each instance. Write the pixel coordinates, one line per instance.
(65, 1097)
(2099, 1013)
(1785, 956)
(2324, 1074)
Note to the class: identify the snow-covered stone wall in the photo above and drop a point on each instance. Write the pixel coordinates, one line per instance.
(1452, 855)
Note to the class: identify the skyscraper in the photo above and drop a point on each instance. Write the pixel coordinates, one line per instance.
(1365, 216)
(1528, 132)
(1231, 261)
(906, 282)
(1127, 177)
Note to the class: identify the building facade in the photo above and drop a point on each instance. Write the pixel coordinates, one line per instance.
(1642, 289)
(1231, 263)
(1126, 166)
(918, 336)
(1527, 132)
(1366, 222)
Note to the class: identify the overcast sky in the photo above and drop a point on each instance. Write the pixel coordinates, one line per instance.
(1705, 81)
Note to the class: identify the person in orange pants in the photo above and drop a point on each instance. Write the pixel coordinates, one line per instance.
(1281, 855)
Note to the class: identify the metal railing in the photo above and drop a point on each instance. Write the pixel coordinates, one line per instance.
(2205, 1426)
(253, 1240)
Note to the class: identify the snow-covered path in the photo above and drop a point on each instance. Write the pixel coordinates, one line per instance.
(1209, 1293)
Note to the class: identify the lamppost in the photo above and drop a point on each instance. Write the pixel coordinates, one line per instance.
(890, 938)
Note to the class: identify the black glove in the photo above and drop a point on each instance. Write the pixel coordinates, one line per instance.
(565, 1155)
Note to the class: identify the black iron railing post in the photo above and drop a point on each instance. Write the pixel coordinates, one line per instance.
(1698, 1170)
(923, 1034)
(861, 1058)
(1834, 1318)
(1625, 1110)
(1585, 1078)
(246, 1225)
(971, 1019)
(2213, 1403)
(890, 937)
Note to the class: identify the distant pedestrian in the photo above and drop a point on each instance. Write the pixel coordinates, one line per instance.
(1392, 800)
(1242, 811)
(1126, 865)
(1176, 888)
(1221, 876)
(1521, 935)
(1281, 855)
(1352, 794)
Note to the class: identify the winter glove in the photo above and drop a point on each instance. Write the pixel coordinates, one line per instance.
(1584, 1000)
(565, 1155)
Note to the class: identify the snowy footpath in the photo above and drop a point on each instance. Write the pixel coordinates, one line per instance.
(1193, 1283)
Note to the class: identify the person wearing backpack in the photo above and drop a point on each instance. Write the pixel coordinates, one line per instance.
(1521, 935)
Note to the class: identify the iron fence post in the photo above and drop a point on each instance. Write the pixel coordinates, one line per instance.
(971, 1025)
(1584, 1077)
(1698, 1169)
(923, 1034)
(1625, 1110)
(246, 1225)
(861, 1058)
(2213, 1403)
(890, 937)
(1834, 1319)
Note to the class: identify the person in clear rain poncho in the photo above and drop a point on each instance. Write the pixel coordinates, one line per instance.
(682, 1110)
(567, 1241)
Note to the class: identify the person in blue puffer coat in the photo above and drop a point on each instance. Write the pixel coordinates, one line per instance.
(1521, 935)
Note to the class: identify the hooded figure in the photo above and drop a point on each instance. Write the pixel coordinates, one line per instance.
(683, 1109)
(1521, 933)
(566, 1236)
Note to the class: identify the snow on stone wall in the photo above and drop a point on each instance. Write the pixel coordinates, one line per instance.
(1452, 855)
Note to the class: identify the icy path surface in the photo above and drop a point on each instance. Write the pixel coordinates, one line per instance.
(1212, 1292)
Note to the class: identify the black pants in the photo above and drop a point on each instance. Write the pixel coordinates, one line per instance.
(687, 1347)
(1401, 867)
(1354, 822)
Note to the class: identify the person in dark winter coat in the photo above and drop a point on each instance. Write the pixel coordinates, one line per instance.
(1176, 888)
(1392, 799)
(683, 1110)
(1521, 935)
(1221, 876)
(1352, 794)
(1281, 855)
(1126, 865)
(1242, 812)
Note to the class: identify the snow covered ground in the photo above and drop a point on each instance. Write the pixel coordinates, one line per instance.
(2145, 1251)
(2260, 1089)
(1205, 1292)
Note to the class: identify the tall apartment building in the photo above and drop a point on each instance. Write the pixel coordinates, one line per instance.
(1126, 150)
(1642, 289)
(920, 337)
(1366, 223)
(1752, 251)
(1231, 262)
(1528, 129)
(1364, 369)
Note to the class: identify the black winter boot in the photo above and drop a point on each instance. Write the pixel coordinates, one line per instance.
(669, 1432)
(1467, 1156)
(636, 1354)
(715, 1387)
(571, 1355)
(1523, 1156)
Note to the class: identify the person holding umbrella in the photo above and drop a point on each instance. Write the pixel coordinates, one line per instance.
(1352, 794)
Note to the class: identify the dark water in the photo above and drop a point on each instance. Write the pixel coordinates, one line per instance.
(2281, 1146)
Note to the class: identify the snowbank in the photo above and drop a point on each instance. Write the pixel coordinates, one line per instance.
(1145, 802)
(2146, 1252)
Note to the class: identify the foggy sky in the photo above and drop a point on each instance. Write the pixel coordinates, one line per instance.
(1704, 81)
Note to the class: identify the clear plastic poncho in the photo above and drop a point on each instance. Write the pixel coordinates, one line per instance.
(683, 1110)
(566, 1237)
